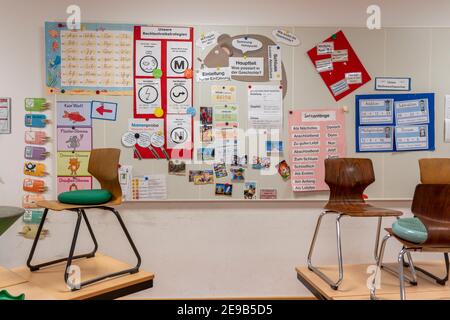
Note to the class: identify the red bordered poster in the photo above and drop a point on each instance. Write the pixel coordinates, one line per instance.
(338, 65)
(163, 90)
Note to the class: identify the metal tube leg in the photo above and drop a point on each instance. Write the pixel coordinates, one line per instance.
(378, 269)
(441, 281)
(401, 273)
(377, 239)
(35, 241)
(130, 240)
(72, 250)
(91, 232)
(410, 264)
(333, 285)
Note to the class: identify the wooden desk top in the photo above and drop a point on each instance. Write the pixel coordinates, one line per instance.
(48, 283)
(354, 286)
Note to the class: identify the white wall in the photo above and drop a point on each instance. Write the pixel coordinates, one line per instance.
(196, 251)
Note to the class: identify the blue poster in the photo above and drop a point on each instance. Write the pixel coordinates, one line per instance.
(394, 122)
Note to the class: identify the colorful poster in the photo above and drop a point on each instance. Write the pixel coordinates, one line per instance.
(338, 65)
(74, 65)
(74, 139)
(73, 114)
(73, 163)
(223, 94)
(65, 184)
(314, 135)
(149, 187)
(395, 122)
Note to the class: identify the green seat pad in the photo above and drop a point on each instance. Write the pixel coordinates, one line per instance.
(410, 229)
(85, 197)
(5, 295)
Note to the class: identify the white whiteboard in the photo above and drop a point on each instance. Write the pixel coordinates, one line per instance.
(418, 53)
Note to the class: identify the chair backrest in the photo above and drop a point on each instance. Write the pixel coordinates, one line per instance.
(348, 178)
(431, 204)
(104, 165)
(435, 170)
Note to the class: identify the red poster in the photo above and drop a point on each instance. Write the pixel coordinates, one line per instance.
(163, 64)
(338, 65)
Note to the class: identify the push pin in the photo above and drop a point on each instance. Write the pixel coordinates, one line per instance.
(345, 109)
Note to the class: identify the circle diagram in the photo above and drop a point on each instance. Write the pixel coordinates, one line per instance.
(179, 64)
(148, 64)
(148, 94)
(179, 94)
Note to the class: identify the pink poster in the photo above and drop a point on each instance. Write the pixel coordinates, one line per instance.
(74, 139)
(314, 135)
(73, 184)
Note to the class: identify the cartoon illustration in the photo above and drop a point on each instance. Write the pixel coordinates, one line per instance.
(74, 165)
(73, 116)
(73, 187)
(219, 55)
(74, 142)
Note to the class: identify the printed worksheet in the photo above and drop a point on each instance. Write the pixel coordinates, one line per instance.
(265, 107)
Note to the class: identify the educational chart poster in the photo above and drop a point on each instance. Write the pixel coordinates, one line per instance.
(314, 135)
(163, 64)
(338, 65)
(65, 184)
(74, 144)
(98, 59)
(395, 122)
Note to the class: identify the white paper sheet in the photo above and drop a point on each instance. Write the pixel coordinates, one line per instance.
(265, 107)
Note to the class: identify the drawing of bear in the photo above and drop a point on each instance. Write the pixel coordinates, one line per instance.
(219, 56)
(74, 165)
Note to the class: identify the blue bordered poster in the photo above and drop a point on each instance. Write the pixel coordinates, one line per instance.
(97, 59)
(395, 122)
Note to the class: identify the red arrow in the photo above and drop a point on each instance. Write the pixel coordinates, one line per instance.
(101, 110)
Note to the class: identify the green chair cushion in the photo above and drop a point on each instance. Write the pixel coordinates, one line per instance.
(410, 229)
(5, 295)
(85, 197)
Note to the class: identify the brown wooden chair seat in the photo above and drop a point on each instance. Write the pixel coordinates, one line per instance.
(361, 210)
(58, 206)
(347, 179)
(103, 165)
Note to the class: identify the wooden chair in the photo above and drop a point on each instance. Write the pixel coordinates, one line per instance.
(103, 165)
(433, 171)
(347, 179)
(431, 205)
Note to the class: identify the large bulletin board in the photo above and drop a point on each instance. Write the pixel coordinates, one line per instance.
(395, 52)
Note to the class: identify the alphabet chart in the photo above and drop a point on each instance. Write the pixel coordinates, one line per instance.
(98, 59)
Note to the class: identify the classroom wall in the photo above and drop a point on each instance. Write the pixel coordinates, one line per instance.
(232, 249)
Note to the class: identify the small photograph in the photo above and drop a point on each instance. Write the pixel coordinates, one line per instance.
(206, 115)
(224, 189)
(250, 190)
(274, 147)
(193, 173)
(239, 161)
(206, 132)
(259, 163)
(284, 170)
(205, 177)
(206, 153)
(177, 168)
(220, 170)
(237, 174)
(422, 132)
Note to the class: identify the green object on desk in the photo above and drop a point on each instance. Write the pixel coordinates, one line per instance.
(85, 197)
(5, 295)
(9, 215)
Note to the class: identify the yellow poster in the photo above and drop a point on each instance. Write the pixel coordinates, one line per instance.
(73, 163)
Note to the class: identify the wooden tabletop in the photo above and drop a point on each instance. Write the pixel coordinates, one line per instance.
(48, 283)
(354, 285)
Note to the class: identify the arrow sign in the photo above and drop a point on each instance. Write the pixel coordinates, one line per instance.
(101, 110)
(104, 110)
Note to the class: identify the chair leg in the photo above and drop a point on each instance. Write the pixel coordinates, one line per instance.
(441, 281)
(333, 285)
(379, 264)
(401, 257)
(45, 264)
